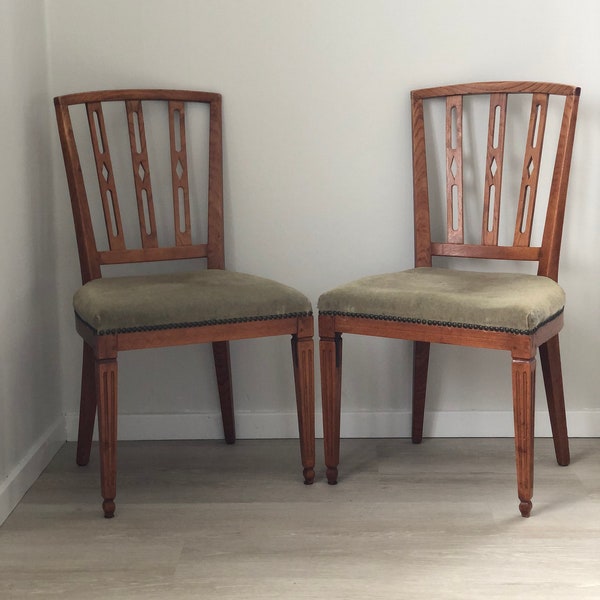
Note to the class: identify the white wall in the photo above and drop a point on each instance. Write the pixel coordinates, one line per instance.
(318, 185)
(31, 419)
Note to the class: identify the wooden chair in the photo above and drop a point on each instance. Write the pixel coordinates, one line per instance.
(516, 312)
(148, 311)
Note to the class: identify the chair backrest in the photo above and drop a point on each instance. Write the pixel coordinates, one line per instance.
(501, 153)
(127, 125)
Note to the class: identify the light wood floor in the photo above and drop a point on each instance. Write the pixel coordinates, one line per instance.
(206, 520)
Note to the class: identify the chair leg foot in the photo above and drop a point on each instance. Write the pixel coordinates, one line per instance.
(309, 476)
(108, 506)
(332, 475)
(525, 508)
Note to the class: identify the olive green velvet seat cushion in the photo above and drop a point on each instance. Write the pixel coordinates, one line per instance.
(511, 302)
(212, 296)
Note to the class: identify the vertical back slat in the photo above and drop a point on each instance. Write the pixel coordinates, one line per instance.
(179, 174)
(531, 169)
(106, 180)
(141, 173)
(454, 170)
(493, 173)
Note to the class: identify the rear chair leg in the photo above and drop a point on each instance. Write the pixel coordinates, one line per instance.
(87, 407)
(420, 368)
(223, 369)
(553, 382)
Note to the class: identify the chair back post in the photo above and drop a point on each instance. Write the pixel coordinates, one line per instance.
(422, 224)
(552, 236)
(84, 231)
(216, 236)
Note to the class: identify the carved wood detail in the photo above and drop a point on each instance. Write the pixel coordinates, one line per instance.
(179, 174)
(454, 170)
(492, 190)
(106, 180)
(531, 169)
(141, 173)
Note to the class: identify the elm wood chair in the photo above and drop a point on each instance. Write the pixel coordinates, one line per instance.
(515, 312)
(148, 311)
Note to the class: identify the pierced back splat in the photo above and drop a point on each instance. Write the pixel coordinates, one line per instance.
(454, 244)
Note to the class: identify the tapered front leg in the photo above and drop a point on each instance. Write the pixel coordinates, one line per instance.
(223, 370)
(106, 385)
(331, 394)
(553, 382)
(87, 406)
(303, 354)
(523, 376)
(420, 368)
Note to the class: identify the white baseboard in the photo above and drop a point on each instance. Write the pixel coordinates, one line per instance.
(360, 424)
(29, 468)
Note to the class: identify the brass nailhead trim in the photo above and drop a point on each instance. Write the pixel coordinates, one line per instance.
(186, 325)
(339, 313)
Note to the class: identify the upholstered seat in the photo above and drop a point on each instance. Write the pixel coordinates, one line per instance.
(491, 301)
(210, 297)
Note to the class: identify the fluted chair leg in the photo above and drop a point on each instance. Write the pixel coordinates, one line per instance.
(303, 355)
(331, 391)
(106, 385)
(523, 376)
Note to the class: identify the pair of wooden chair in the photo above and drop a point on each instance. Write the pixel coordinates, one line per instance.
(516, 312)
